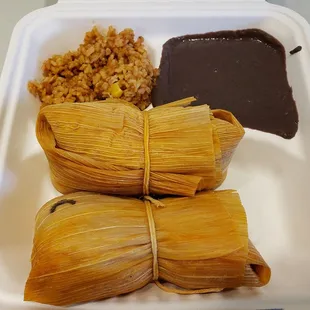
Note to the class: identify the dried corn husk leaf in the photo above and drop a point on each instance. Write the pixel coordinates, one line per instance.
(99, 147)
(100, 247)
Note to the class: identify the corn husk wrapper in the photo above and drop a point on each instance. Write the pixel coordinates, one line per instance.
(99, 147)
(100, 247)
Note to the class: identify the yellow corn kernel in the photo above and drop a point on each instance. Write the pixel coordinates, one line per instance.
(115, 91)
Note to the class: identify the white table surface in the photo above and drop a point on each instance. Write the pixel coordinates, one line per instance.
(12, 10)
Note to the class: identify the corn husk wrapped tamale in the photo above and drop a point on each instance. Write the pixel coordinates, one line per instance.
(101, 147)
(89, 246)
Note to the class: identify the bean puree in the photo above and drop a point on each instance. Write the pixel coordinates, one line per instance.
(240, 71)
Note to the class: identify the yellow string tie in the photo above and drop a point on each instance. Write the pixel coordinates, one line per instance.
(187, 292)
(151, 221)
(147, 163)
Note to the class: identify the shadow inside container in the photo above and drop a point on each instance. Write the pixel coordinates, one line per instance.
(2, 116)
(292, 175)
(19, 198)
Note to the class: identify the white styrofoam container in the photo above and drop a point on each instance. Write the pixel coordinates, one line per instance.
(271, 174)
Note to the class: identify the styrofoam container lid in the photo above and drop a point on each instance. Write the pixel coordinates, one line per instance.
(270, 173)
